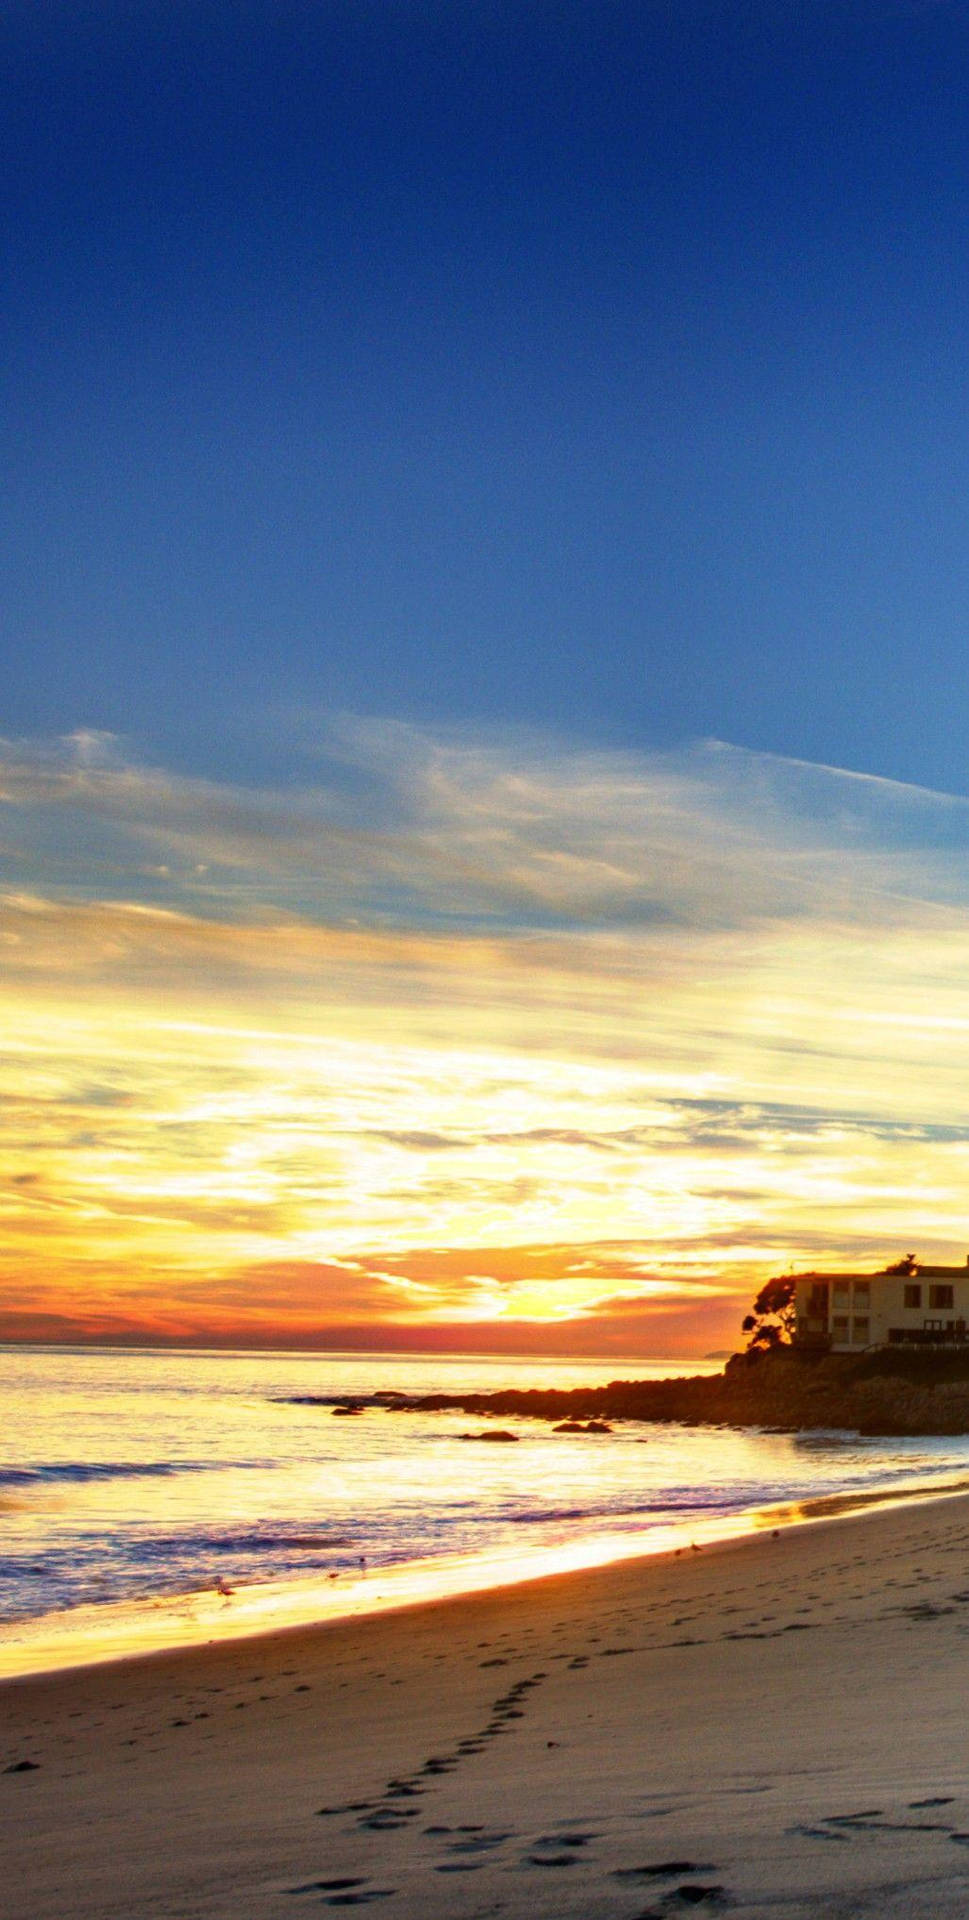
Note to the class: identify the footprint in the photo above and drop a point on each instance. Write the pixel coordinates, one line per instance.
(694, 1896)
(329, 1886)
(659, 1870)
(358, 1899)
(478, 1842)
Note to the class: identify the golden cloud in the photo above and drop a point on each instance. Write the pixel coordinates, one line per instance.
(522, 999)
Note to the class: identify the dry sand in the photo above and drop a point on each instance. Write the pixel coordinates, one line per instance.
(775, 1727)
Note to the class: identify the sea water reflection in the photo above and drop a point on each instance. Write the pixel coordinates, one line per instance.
(156, 1481)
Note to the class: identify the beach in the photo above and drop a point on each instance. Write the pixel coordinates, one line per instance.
(774, 1726)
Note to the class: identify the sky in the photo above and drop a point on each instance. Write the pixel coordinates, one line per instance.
(483, 798)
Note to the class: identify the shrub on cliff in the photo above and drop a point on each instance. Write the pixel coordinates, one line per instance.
(771, 1322)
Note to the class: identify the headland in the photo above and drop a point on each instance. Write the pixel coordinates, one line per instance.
(789, 1389)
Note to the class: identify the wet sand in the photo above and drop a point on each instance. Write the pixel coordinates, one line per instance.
(778, 1726)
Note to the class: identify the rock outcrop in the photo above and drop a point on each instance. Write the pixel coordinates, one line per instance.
(892, 1391)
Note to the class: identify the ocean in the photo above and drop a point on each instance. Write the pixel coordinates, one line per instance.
(149, 1497)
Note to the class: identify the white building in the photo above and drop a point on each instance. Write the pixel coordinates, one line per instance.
(905, 1305)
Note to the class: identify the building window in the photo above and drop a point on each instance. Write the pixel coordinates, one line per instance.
(933, 1326)
(913, 1296)
(862, 1293)
(839, 1327)
(818, 1298)
(940, 1297)
(839, 1294)
(860, 1335)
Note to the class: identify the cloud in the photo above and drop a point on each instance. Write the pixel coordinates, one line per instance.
(427, 1297)
(422, 829)
(455, 993)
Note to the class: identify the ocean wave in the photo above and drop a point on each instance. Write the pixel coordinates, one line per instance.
(251, 1540)
(708, 1500)
(205, 1513)
(172, 1565)
(687, 1500)
(77, 1472)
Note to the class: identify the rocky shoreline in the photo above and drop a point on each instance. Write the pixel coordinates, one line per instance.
(890, 1392)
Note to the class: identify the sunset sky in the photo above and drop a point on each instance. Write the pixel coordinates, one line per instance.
(483, 805)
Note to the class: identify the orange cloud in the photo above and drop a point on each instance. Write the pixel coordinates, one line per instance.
(407, 1302)
(506, 1008)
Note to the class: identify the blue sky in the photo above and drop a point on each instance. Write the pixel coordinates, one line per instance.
(600, 368)
(483, 734)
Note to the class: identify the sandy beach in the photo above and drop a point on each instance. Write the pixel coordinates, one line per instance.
(777, 1726)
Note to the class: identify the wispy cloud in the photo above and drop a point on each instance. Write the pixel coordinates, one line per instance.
(413, 827)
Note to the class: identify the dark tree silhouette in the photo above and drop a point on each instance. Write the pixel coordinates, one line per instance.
(907, 1264)
(771, 1321)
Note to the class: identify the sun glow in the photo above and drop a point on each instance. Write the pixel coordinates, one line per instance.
(223, 1115)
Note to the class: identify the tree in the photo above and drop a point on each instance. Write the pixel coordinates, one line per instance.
(771, 1322)
(907, 1264)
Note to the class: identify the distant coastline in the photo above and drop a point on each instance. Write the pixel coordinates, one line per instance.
(888, 1392)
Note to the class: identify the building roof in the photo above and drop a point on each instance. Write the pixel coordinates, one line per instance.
(921, 1270)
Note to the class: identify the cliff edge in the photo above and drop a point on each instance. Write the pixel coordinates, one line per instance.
(891, 1391)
